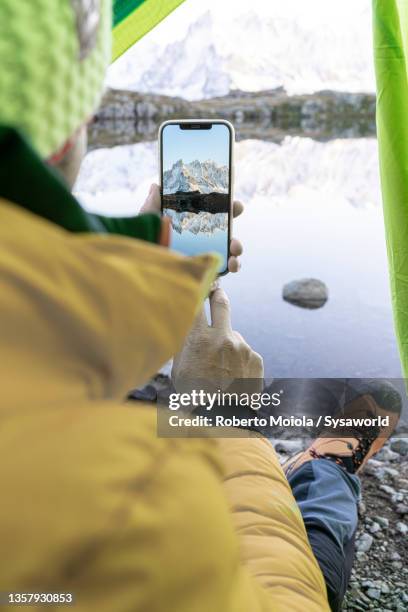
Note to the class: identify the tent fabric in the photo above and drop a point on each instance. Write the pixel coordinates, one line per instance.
(132, 19)
(390, 22)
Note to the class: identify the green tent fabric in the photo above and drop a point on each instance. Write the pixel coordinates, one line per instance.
(132, 19)
(390, 19)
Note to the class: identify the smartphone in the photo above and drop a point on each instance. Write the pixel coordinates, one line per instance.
(196, 159)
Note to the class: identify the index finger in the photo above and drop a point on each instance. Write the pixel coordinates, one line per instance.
(200, 322)
(220, 309)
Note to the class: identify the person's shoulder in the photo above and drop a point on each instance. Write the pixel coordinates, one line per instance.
(19, 218)
(100, 480)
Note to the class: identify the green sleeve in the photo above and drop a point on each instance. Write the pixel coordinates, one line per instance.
(27, 181)
(145, 227)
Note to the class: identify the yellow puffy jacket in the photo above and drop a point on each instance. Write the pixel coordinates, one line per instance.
(92, 501)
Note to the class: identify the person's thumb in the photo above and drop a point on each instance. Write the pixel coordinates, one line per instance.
(153, 202)
(220, 310)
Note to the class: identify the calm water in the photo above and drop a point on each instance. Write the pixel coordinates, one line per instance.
(352, 335)
(312, 209)
(196, 244)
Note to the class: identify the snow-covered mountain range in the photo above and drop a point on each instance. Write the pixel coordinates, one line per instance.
(303, 46)
(203, 222)
(205, 177)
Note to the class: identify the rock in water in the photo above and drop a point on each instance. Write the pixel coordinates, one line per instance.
(306, 293)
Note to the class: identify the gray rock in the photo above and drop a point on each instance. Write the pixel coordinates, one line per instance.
(362, 508)
(395, 556)
(146, 110)
(400, 446)
(361, 556)
(364, 543)
(289, 446)
(306, 293)
(357, 596)
(402, 528)
(387, 489)
(373, 466)
(387, 454)
(374, 593)
(401, 509)
(384, 472)
(382, 521)
(374, 528)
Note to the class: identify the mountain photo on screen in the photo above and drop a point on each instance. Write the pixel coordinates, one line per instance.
(196, 188)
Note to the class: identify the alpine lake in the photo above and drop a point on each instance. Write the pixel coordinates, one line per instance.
(306, 168)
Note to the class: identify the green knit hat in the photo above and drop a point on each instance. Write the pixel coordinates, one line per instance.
(53, 60)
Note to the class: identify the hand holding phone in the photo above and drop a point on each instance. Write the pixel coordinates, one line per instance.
(215, 356)
(196, 185)
(152, 204)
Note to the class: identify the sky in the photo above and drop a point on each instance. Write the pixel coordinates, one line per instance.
(190, 145)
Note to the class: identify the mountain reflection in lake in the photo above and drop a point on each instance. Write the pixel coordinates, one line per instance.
(312, 209)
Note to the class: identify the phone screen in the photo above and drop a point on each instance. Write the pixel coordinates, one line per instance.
(196, 186)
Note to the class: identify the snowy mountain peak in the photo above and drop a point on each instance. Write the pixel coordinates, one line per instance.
(303, 47)
(205, 177)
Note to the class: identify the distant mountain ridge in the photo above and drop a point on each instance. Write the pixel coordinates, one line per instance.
(254, 51)
(203, 177)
